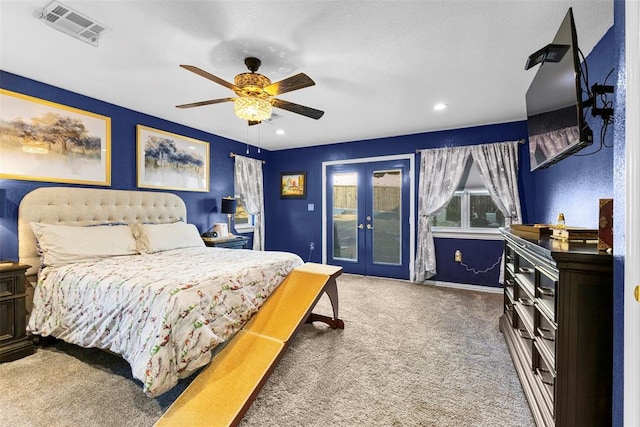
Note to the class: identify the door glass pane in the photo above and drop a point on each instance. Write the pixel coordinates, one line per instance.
(387, 228)
(345, 216)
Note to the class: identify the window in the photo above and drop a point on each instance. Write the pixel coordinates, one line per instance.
(471, 207)
(243, 222)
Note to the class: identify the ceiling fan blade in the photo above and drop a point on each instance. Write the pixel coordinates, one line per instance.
(297, 108)
(206, 75)
(289, 84)
(201, 103)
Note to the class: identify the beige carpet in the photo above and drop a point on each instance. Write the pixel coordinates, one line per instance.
(410, 355)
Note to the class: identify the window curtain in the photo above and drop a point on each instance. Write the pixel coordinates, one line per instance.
(498, 164)
(249, 186)
(440, 172)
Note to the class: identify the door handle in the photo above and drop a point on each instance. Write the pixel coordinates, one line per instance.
(361, 227)
(369, 227)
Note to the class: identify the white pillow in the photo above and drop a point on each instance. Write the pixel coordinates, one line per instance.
(66, 244)
(163, 237)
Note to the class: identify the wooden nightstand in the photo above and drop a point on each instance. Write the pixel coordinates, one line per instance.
(231, 242)
(14, 342)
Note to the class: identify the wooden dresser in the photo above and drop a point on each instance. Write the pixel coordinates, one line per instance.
(558, 326)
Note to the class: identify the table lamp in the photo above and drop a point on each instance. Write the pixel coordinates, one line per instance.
(229, 205)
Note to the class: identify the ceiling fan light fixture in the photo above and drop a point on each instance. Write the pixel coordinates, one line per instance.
(252, 108)
(251, 79)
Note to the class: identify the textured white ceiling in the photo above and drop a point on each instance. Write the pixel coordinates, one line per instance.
(379, 66)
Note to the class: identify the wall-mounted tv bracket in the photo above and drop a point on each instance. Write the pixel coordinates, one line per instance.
(596, 90)
(549, 53)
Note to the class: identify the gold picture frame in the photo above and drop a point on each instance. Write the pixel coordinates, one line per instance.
(44, 141)
(169, 161)
(293, 185)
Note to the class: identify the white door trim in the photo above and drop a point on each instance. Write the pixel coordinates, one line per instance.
(412, 199)
(631, 343)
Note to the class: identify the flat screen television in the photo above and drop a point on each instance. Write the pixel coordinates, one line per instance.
(555, 119)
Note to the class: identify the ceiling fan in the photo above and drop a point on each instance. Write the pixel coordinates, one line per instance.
(256, 93)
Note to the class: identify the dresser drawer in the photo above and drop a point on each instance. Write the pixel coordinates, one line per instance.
(545, 333)
(525, 272)
(545, 293)
(508, 306)
(523, 331)
(524, 303)
(509, 296)
(545, 377)
(509, 258)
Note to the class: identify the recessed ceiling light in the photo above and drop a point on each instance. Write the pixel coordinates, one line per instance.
(440, 106)
(280, 132)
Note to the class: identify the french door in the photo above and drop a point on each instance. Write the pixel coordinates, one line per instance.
(368, 217)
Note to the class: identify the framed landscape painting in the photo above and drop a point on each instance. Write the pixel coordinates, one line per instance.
(171, 162)
(44, 141)
(293, 185)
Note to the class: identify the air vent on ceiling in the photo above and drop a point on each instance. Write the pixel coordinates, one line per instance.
(72, 22)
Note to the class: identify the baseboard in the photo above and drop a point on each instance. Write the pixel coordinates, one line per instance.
(478, 288)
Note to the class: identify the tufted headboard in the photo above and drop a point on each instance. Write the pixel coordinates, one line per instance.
(90, 206)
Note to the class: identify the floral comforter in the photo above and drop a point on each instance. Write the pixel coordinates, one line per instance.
(163, 312)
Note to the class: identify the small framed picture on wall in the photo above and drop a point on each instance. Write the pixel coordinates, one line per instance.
(293, 185)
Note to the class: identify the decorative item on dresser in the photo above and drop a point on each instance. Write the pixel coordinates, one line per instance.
(230, 242)
(558, 326)
(14, 342)
(605, 225)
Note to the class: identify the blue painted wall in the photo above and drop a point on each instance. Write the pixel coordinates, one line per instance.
(574, 185)
(619, 190)
(297, 226)
(123, 158)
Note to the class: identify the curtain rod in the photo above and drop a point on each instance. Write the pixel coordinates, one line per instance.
(232, 154)
(520, 141)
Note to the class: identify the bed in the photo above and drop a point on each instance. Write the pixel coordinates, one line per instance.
(123, 271)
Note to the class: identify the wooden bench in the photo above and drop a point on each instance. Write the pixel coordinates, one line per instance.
(222, 393)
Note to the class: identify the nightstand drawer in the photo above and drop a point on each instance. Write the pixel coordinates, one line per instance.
(233, 245)
(8, 286)
(11, 284)
(232, 242)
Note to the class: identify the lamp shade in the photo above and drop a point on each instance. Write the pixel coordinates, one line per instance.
(228, 205)
(3, 202)
(252, 108)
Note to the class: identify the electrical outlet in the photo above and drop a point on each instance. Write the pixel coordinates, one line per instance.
(312, 246)
(458, 256)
